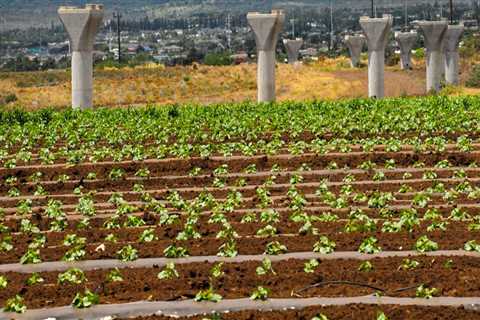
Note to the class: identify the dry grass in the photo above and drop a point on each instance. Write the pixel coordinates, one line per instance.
(326, 79)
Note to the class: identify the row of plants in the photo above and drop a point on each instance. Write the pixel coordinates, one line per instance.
(179, 129)
(214, 280)
(92, 153)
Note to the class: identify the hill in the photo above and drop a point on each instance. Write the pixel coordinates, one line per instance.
(26, 13)
(328, 79)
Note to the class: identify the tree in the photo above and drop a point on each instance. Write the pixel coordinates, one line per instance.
(218, 59)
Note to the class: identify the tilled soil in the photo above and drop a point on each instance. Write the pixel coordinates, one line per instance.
(175, 167)
(332, 278)
(452, 276)
(447, 240)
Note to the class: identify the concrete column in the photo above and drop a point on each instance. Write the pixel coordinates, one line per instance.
(82, 25)
(452, 58)
(406, 41)
(293, 48)
(266, 28)
(434, 34)
(376, 31)
(355, 45)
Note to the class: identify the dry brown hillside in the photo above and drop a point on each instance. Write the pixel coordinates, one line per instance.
(327, 79)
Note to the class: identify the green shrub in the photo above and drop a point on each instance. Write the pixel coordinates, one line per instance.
(7, 98)
(217, 59)
(474, 79)
(10, 98)
(419, 53)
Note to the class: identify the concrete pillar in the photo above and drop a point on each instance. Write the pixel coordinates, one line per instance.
(434, 34)
(355, 45)
(82, 25)
(452, 58)
(406, 41)
(293, 48)
(376, 31)
(266, 28)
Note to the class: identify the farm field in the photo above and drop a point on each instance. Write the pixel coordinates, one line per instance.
(358, 209)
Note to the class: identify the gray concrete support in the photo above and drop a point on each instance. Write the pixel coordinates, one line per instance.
(355, 45)
(406, 41)
(293, 48)
(434, 34)
(266, 28)
(82, 25)
(452, 58)
(376, 31)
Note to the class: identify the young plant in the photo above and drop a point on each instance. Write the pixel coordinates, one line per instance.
(127, 253)
(408, 264)
(365, 266)
(424, 244)
(275, 248)
(208, 295)
(324, 245)
(369, 246)
(265, 267)
(148, 235)
(72, 276)
(381, 316)
(114, 276)
(249, 217)
(32, 256)
(116, 174)
(34, 279)
(228, 249)
(260, 293)
(85, 300)
(472, 245)
(425, 292)
(216, 271)
(448, 264)
(74, 254)
(15, 304)
(3, 282)
(169, 272)
(311, 265)
(173, 251)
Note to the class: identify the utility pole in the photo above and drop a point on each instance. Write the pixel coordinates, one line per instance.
(228, 30)
(406, 14)
(110, 37)
(331, 26)
(118, 16)
(292, 21)
(3, 22)
(372, 15)
(451, 11)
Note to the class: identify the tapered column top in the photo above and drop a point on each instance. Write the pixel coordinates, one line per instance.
(434, 32)
(376, 30)
(266, 27)
(82, 24)
(453, 36)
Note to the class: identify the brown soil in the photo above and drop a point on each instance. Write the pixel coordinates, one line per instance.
(447, 240)
(238, 163)
(240, 280)
(284, 227)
